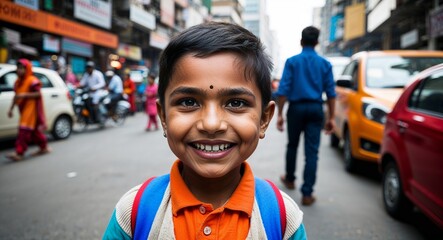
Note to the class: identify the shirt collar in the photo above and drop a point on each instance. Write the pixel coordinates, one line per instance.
(241, 200)
(308, 49)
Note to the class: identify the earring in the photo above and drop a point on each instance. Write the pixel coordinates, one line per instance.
(164, 134)
(262, 135)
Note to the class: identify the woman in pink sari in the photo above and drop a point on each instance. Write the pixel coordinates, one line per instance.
(151, 105)
(32, 120)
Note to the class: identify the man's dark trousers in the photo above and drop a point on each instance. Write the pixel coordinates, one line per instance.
(306, 117)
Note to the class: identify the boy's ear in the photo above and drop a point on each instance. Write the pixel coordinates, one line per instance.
(161, 114)
(266, 117)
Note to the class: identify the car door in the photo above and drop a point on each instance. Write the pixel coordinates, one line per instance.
(345, 95)
(8, 126)
(422, 127)
(51, 97)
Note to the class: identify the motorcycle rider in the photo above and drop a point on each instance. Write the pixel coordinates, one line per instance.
(94, 80)
(115, 88)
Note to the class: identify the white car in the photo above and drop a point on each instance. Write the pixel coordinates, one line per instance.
(57, 103)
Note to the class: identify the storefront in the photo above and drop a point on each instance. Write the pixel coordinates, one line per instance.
(54, 37)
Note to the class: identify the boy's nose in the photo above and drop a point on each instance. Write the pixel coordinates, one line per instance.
(212, 120)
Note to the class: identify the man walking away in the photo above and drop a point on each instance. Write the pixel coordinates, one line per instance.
(305, 77)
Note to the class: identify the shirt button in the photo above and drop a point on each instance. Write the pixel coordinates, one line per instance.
(202, 210)
(207, 230)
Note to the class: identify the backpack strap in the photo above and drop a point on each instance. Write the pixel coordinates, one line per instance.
(270, 201)
(146, 204)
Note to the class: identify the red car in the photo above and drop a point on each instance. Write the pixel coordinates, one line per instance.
(411, 159)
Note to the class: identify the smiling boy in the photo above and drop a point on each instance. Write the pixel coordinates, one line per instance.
(214, 105)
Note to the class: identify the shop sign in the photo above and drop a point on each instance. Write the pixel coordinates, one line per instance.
(76, 47)
(11, 35)
(436, 23)
(45, 22)
(408, 39)
(96, 12)
(355, 21)
(129, 51)
(32, 4)
(158, 40)
(51, 43)
(380, 14)
(167, 12)
(142, 17)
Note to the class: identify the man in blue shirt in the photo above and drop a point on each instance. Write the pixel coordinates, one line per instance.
(115, 88)
(305, 77)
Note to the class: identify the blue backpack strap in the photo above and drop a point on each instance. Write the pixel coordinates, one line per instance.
(149, 202)
(270, 202)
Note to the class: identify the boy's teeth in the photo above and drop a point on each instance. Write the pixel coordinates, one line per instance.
(212, 148)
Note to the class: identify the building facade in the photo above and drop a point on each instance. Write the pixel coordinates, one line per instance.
(359, 25)
(127, 34)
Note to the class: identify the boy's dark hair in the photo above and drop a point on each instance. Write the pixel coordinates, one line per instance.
(309, 36)
(207, 39)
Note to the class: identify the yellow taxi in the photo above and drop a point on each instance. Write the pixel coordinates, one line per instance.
(366, 92)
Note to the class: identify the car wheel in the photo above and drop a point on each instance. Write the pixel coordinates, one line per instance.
(62, 127)
(334, 141)
(349, 160)
(396, 203)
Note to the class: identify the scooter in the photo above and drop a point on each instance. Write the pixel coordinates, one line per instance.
(84, 110)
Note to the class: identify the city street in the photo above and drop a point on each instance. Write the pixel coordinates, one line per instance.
(71, 193)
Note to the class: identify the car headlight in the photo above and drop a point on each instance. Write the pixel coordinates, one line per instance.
(375, 112)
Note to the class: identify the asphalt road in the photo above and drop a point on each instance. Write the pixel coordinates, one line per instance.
(71, 193)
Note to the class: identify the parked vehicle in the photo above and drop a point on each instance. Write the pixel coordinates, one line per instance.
(411, 159)
(56, 100)
(84, 111)
(366, 92)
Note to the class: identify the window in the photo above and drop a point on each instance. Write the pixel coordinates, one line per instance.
(351, 70)
(46, 83)
(428, 96)
(7, 81)
(395, 71)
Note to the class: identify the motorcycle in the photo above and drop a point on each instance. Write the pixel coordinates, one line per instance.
(84, 111)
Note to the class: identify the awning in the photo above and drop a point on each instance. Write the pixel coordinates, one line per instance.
(25, 48)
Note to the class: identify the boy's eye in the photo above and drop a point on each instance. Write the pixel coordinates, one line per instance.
(188, 102)
(236, 103)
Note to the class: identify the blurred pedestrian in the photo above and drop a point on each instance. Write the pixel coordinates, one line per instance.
(71, 79)
(129, 91)
(95, 82)
(115, 87)
(29, 101)
(151, 102)
(305, 77)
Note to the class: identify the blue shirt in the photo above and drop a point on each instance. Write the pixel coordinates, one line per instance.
(116, 84)
(305, 77)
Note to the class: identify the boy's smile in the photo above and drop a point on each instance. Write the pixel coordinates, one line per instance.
(213, 114)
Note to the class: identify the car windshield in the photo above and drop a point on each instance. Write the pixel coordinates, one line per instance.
(395, 71)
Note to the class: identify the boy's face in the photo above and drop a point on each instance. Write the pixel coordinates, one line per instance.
(213, 115)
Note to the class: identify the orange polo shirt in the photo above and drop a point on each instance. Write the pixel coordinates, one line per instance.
(194, 219)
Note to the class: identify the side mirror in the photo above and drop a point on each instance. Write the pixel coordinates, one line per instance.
(344, 81)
